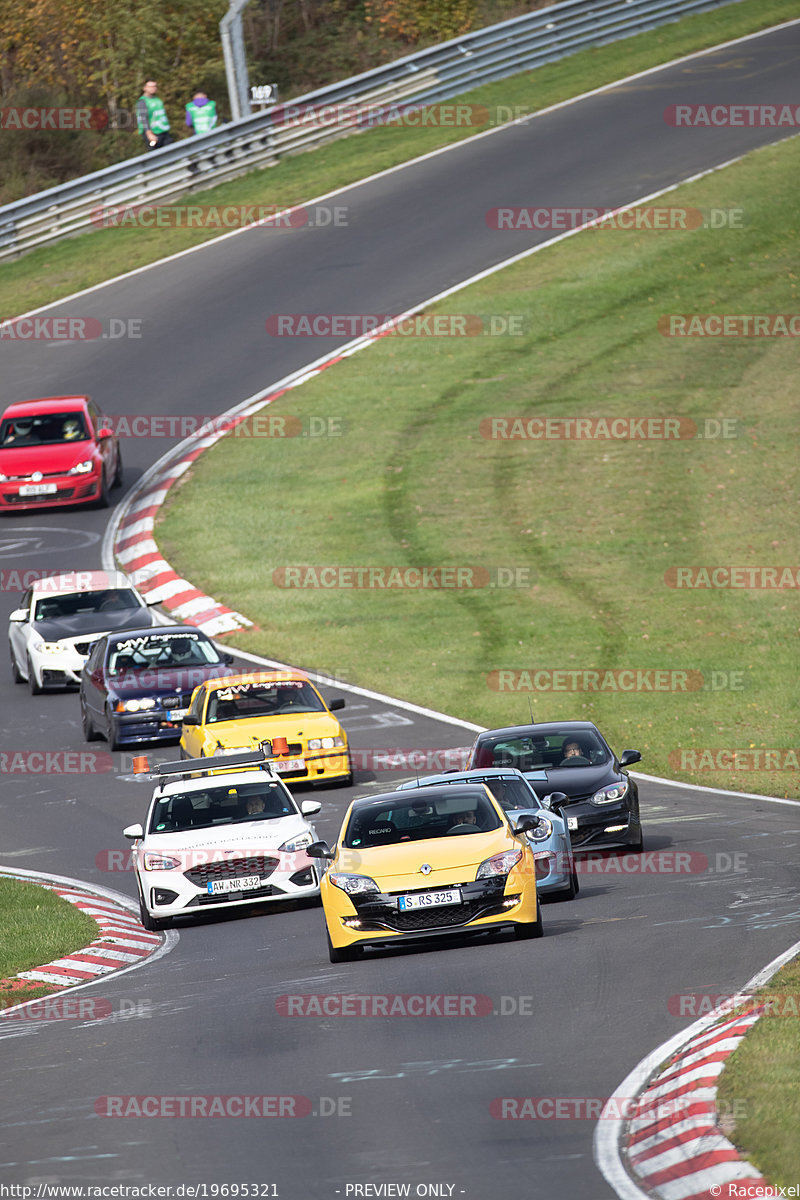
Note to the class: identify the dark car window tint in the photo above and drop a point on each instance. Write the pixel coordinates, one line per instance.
(50, 608)
(531, 752)
(418, 819)
(242, 701)
(46, 429)
(258, 801)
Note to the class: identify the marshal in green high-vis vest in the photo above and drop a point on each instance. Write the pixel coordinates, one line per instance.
(157, 119)
(201, 117)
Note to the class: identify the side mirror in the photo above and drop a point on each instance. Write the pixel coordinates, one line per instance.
(336, 704)
(227, 658)
(133, 832)
(318, 849)
(629, 757)
(309, 807)
(19, 615)
(150, 601)
(105, 432)
(555, 800)
(524, 824)
(191, 719)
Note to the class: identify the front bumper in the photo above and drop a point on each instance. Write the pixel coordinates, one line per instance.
(484, 904)
(58, 670)
(610, 826)
(281, 876)
(154, 725)
(68, 489)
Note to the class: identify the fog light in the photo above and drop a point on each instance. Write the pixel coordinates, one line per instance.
(351, 922)
(614, 828)
(510, 901)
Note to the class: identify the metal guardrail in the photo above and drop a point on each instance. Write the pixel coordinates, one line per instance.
(425, 78)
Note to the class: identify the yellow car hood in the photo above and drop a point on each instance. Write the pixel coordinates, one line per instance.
(452, 859)
(295, 728)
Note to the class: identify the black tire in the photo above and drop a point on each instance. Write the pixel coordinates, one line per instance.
(103, 500)
(117, 480)
(89, 731)
(346, 954)
(112, 733)
(16, 674)
(570, 891)
(637, 847)
(151, 924)
(531, 929)
(33, 687)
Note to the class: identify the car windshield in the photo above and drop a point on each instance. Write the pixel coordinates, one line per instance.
(388, 822)
(50, 608)
(161, 650)
(46, 429)
(536, 751)
(262, 800)
(241, 701)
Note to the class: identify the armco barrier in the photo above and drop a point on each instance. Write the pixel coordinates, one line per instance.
(432, 75)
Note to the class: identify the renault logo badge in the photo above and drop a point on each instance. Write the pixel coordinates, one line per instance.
(426, 868)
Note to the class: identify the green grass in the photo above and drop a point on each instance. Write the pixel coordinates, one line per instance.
(38, 926)
(761, 1084)
(55, 271)
(596, 525)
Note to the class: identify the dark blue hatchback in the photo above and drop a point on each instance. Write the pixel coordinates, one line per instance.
(136, 686)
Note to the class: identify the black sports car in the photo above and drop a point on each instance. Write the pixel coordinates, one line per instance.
(601, 803)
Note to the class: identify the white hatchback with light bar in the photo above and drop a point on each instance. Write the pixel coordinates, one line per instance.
(220, 832)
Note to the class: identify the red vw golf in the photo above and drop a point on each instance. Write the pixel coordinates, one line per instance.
(57, 451)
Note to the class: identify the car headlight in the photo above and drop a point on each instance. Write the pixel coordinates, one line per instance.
(354, 885)
(81, 468)
(42, 647)
(135, 705)
(298, 843)
(611, 794)
(498, 864)
(160, 862)
(3, 479)
(326, 743)
(220, 749)
(542, 831)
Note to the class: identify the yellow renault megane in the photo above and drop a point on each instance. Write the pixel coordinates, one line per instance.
(307, 743)
(425, 862)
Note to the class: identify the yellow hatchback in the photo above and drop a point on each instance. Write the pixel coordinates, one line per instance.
(241, 712)
(423, 863)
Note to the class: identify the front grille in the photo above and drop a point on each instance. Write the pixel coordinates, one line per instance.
(61, 494)
(438, 918)
(232, 868)
(254, 894)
